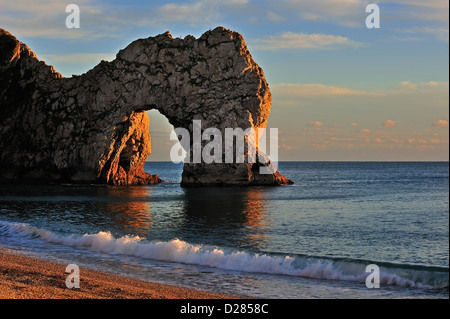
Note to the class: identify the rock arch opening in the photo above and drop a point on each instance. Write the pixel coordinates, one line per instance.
(160, 129)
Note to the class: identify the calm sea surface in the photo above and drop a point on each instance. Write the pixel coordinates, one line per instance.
(313, 239)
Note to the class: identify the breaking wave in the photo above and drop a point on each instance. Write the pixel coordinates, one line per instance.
(176, 250)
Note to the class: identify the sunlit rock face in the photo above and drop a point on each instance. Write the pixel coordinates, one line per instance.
(93, 128)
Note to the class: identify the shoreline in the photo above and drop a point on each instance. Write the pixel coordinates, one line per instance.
(24, 277)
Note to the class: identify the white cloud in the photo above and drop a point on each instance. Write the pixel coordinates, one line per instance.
(441, 123)
(47, 19)
(420, 87)
(274, 17)
(235, 2)
(350, 13)
(297, 41)
(440, 33)
(99, 20)
(295, 94)
(408, 85)
(294, 90)
(431, 4)
(194, 13)
(389, 123)
(431, 10)
(316, 124)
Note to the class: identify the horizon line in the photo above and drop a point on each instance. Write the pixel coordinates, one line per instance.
(344, 161)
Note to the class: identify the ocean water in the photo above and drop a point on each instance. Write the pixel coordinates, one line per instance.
(313, 239)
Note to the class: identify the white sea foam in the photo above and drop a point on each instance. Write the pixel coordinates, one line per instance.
(179, 251)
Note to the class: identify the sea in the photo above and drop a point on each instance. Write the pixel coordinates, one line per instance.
(344, 230)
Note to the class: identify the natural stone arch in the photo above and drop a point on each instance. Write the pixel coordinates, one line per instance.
(93, 128)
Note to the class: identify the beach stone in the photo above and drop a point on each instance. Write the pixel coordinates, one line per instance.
(93, 128)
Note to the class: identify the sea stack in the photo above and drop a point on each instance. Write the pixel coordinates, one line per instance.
(93, 128)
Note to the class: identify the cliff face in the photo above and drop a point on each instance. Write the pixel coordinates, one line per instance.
(93, 128)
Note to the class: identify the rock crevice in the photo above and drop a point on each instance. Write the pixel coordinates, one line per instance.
(93, 128)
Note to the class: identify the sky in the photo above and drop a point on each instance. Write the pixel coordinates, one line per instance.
(341, 91)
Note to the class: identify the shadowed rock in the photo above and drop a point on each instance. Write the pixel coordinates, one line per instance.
(93, 128)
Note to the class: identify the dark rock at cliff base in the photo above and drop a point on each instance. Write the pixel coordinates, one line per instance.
(93, 128)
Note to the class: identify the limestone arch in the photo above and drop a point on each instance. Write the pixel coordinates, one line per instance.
(93, 127)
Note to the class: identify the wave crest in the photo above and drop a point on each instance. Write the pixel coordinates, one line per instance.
(179, 251)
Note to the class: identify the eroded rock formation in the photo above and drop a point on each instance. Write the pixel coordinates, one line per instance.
(93, 128)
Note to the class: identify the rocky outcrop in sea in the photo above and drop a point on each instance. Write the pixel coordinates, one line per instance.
(93, 128)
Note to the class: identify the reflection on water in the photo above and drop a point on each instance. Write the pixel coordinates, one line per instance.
(216, 216)
(237, 213)
(134, 211)
(256, 214)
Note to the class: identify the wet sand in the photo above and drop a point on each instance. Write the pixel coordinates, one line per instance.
(23, 277)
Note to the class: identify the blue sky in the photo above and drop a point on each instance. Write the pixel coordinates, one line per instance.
(340, 91)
